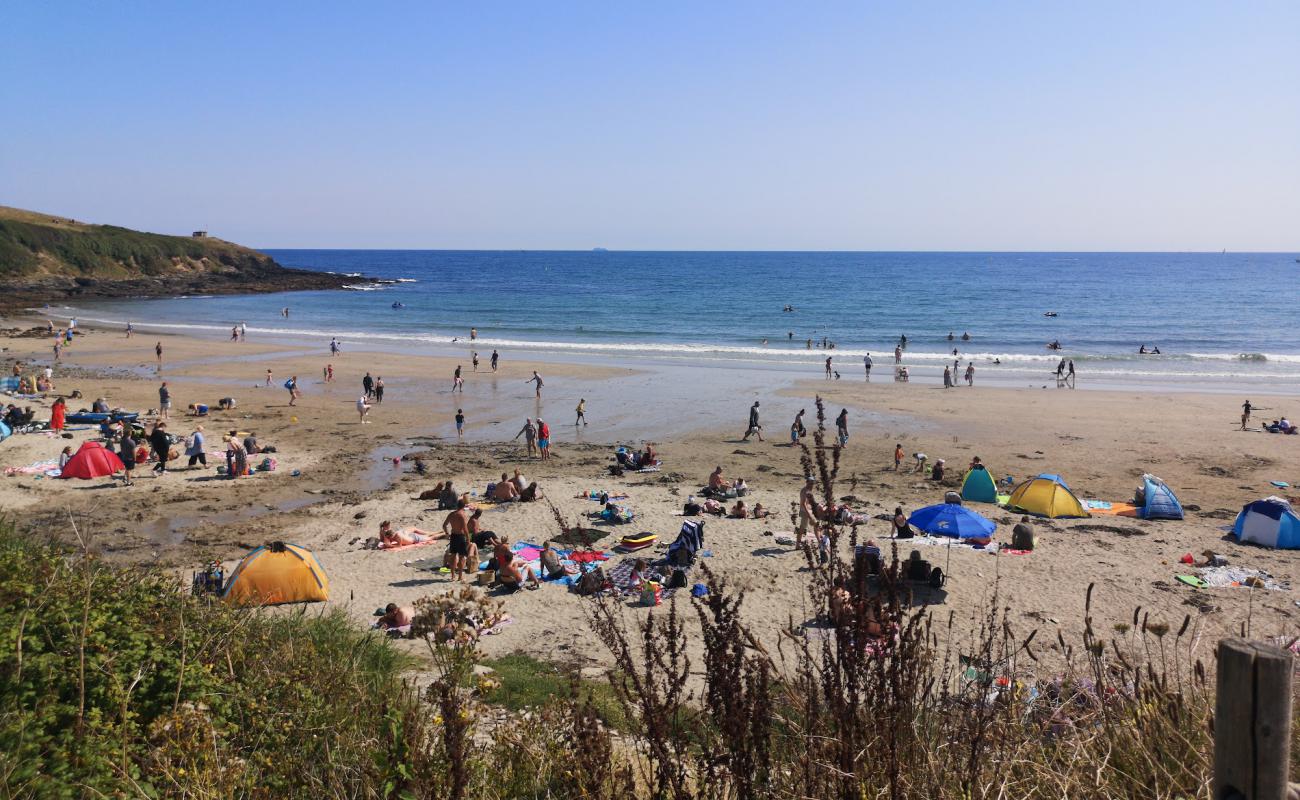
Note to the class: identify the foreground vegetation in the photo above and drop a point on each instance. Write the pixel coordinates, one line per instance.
(115, 683)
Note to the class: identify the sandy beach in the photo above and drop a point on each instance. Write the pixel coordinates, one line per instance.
(348, 482)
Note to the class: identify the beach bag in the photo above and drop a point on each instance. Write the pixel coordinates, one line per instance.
(652, 593)
(487, 577)
(268, 465)
(289, 384)
(677, 580)
(591, 582)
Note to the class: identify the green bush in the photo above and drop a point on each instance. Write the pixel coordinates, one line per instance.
(114, 681)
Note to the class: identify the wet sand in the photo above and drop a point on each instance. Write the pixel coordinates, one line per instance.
(1100, 441)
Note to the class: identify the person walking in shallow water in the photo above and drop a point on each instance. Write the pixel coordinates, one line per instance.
(582, 412)
(538, 380)
(828, 368)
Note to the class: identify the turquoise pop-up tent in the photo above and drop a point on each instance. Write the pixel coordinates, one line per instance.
(978, 487)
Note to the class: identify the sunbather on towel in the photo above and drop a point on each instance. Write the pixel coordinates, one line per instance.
(511, 570)
(760, 512)
(388, 537)
(738, 511)
(550, 559)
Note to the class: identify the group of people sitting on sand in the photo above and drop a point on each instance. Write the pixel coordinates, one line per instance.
(630, 459)
(510, 490)
(16, 417)
(719, 486)
(1282, 425)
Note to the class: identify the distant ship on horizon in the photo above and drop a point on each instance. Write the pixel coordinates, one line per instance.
(600, 250)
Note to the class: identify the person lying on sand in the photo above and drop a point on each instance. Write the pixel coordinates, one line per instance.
(738, 511)
(505, 491)
(760, 512)
(389, 537)
(395, 616)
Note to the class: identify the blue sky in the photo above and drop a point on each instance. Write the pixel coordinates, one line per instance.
(825, 126)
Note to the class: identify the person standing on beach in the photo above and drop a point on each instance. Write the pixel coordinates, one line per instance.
(164, 401)
(161, 444)
(866, 365)
(898, 456)
(970, 373)
(368, 384)
(1060, 371)
(807, 507)
(898, 354)
(495, 356)
(268, 377)
(543, 439)
(538, 380)
(129, 330)
(754, 427)
(292, 386)
(1246, 408)
(842, 426)
(379, 389)
(363, 408)
(947, 377)
(474, 360)
(582, 412)
(1069, 375)
(529, 432)
(157, 351)
(126, 451)
(329, 373)
(334, 347)
(796, 428)
(457, 382)
(456, 527)
(828, 368)
(460, 423)
(194, 448)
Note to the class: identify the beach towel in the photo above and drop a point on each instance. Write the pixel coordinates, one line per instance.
(948, 541)
(620, 576)
(1103, 509)
(411, 546)
(586, 556)
(35, 468)
(1238, 577)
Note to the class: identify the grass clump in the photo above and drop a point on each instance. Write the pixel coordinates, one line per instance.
(530, 684)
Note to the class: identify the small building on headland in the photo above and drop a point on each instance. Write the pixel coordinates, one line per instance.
(200, 234)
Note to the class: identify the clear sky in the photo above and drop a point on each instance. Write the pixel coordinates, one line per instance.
(692, 125)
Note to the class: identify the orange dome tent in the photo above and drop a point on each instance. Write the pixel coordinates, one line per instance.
(277, 573)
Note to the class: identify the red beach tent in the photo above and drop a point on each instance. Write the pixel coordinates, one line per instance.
(92, 461)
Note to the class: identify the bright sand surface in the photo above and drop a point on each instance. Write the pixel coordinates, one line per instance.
(1100, 441)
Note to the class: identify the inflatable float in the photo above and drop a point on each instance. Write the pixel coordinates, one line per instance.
(637, 541)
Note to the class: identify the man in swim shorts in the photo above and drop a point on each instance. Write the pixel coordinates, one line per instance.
(456, 526)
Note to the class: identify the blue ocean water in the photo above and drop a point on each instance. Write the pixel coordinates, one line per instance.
(1215, 317)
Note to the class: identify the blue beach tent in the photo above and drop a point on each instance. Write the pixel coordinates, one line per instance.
(5, 432)
(1159, 501)
(1270, 522)
(950, 519)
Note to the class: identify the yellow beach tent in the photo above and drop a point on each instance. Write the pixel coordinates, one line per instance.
(277, 573)
(1046, 496)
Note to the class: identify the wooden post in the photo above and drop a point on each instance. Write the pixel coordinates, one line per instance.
(1252, 721)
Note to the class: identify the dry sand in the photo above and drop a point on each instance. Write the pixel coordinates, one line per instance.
(1100, 441)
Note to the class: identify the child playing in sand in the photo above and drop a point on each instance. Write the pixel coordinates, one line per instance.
(898, 456)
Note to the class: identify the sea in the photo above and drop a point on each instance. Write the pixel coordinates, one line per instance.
(1221, 321)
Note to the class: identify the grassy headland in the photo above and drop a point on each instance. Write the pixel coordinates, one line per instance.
(43, 257)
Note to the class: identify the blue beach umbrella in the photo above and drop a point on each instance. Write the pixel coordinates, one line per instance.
(950, 519)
